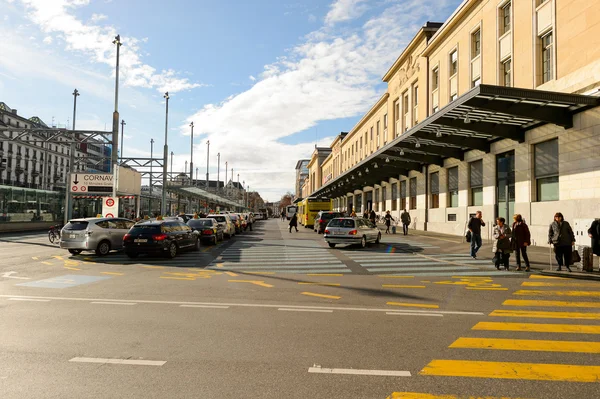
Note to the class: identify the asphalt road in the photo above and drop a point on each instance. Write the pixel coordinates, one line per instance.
(273, 314)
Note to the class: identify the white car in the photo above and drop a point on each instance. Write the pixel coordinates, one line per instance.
(351, 231)
(225, 221)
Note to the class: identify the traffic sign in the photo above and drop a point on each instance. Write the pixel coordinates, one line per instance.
(92, 182)
(110, 202)
(110, 207)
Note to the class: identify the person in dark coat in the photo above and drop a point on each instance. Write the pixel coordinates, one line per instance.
(594, 234)
(520, 240)
(373, 216)
(388, 222)
(501, 245)
(561, 236)
(294, 222)
(474, 226)
(405, 218)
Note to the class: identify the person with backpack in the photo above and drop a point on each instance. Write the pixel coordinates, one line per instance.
(405, 218)
(520, 240)
(474, 226)
(501, 246)
(560, 234)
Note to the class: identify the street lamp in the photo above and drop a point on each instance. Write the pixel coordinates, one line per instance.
(171, 177)
(185, 171)
(163, 205)
(207, 161)
(196, 177)
(122, 130)
(151, 162)
(218, 171)
(225, 181)
(192, 154)
(115, 125)
(68, 207)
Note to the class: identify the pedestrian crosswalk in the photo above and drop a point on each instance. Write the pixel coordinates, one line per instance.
(515, 330)
(281, 256)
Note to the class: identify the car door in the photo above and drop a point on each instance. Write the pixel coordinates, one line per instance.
(188, 235)
(116, 240)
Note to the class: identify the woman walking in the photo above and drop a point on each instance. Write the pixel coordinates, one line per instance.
(521, 239)
(561, 236)
(388, 222)
(501, 247)
(294, 222)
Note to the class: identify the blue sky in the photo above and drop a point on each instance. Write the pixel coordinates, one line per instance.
(262, 79)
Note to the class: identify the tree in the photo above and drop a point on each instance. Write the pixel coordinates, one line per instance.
(286, 199)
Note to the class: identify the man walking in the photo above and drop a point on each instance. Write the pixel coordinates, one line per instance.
(474, 226)
(405, 218)
(294, 222)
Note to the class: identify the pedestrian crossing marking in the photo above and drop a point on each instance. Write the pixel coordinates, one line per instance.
(512, 370)
(545, 315)
(544, 284)
(533, 327)
(418, 395)
(526, 345)
(250, 272)
(558, 293)
(321, 295)
(540, 303)
(413, 305)
(401, 286)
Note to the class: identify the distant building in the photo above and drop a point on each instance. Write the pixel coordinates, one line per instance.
(301, 175)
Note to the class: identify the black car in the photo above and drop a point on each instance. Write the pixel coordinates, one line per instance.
(209, 230)
(160, 237)
(323, 218)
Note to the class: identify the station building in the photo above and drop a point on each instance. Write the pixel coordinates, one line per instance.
(497, 109)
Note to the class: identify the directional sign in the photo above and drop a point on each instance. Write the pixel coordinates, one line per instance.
(92, 182)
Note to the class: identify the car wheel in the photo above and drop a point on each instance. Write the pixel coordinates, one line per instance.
(378, 238)
(75, 251)
(172, 252)
(131, 255)
(331, 245)
(103, 248)
(197, 245)
(363, 242)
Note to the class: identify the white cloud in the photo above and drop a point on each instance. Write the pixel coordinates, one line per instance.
(329, 76)
(57, 17)
(48, 40)
(97, 17)
(345, 10)
(252, 78)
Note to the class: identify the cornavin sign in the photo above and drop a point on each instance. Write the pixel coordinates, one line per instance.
(92, 182)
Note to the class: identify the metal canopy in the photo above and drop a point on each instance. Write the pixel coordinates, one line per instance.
(474, 121)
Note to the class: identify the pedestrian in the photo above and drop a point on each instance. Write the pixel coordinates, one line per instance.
(561, 236)
(405, 218)
(501, 247)
(520, 240)
(366, 214)
(353, 214)
(474, 226)
(388, 221)
(373, 217)
(250, 221)
(282, 215)
(594, 234)
(294, 222)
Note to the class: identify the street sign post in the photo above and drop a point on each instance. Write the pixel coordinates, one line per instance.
(110, 207)
(92, 182)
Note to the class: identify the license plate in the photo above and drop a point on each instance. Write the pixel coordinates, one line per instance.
(140, 240)
(339, 233)
(72, 236)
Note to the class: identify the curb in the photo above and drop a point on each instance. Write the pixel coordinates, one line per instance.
(577, 275)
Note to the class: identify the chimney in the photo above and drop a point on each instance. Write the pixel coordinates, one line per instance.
(14, 111)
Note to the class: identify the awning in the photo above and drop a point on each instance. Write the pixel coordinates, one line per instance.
(474, 121)
(205, 195)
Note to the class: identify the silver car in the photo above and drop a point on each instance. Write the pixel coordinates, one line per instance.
(351, 231)
(225, 221)
(94, 234)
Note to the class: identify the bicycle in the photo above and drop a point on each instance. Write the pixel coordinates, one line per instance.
(54, 234)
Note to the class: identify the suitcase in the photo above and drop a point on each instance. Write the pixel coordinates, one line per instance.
(393, 229)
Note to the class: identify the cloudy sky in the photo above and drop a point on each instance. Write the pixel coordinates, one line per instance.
(263, 80)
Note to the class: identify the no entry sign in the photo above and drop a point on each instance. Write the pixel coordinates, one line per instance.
(110, 207)
(110, 202)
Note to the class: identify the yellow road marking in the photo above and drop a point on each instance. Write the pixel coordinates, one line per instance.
(324, 274)
(413, 305)
(327, 284)
(487, 289)
(255, 282)
(321, 295)
(219, 265)
(559, 304)
(384, 276)
(58, 257)
(232, 274)
(532, 327)
(47, 263)
(71, 268)
(248, 272)
(90, 259)
(206, 249)
(182, 274)
(418, 395)
(473, 278)
(34, 258)
(527, 345)
(539, 276)
(401, 286)
(113, 273)
(544, 284)
(154, 267)
(512, 370)
(558, 293)
(545, 315)
(177, 278)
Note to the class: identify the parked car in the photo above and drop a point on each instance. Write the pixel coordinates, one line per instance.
(323, 218)
(235, 219)
(225, 221)
(208, 229)
(351, 231)
(94, 234)
(160, 237)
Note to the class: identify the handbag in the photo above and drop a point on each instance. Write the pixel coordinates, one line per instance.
(575, 258)
(468, 236)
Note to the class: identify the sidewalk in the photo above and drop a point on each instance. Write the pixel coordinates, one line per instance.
(539, 257)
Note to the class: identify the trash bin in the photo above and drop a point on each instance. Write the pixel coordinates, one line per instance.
(587, 258)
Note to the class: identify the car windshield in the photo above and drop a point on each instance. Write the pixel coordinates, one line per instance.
(200, 223)
(328, 216)
(221, 219)
(75, 225)
(145, 229)
(341, 223)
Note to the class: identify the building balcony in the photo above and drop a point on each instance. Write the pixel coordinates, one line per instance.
(19, 170)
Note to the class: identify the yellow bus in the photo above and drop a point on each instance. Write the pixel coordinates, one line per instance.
(308, 209)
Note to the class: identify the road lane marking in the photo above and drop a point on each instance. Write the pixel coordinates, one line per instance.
(10, 275)
(545, 315)
(324, 274)
(34, 258)
(232, 274)
(533, 327)
(558, 304)
(418, 395)
(29, 300)
(305, 310)
(325, 284)
(204, 306)
(486, 289)
(513, 370)
(388, 276)
(260, 283)
(320, 295)
(561, 284)
(113, 273)
(526, 345)
(219, 265)
(58, 257)
(542, 277)
(178, 278)
(413, 305)
(401, 286)
(558, 293)
(71, 268)
(118, 361)
(250, 272)
(47, 263)
(113, 303)
(389, 373)
(249, 305)
(413, 314)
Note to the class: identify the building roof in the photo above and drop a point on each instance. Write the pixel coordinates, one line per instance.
(4, 107)
(299, 163)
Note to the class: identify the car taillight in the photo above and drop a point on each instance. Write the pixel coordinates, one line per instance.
(327, 231)
(353, 232)
(126, 237)
(159, 237)
(207, 232)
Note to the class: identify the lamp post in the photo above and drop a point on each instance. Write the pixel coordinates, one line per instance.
(171, 177)
(122, 130)
(218, 171)
(196, 176)
(232, 188)
(207, 161)
(192, 153)
(151, 162)
(184, 173)
(238, 175)
(225, 181)
(163, 204)
(68, 207)
(115, 125)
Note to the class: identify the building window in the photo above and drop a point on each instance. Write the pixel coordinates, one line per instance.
(435, 78)
(434, 181)
(453, 97)
(506, 73)
(453, 62)
(453, 187)
(415, 105)
(547, 58)
(385, 122)
(476, 82)
(452, 217)
(397, 117)
(394, 196)
(505, 17)
(476, 44)
(403, 194)
(476, 183)
(413, 192)
(405, 110)
(376, 200)
(546, 170)
(383, 197)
